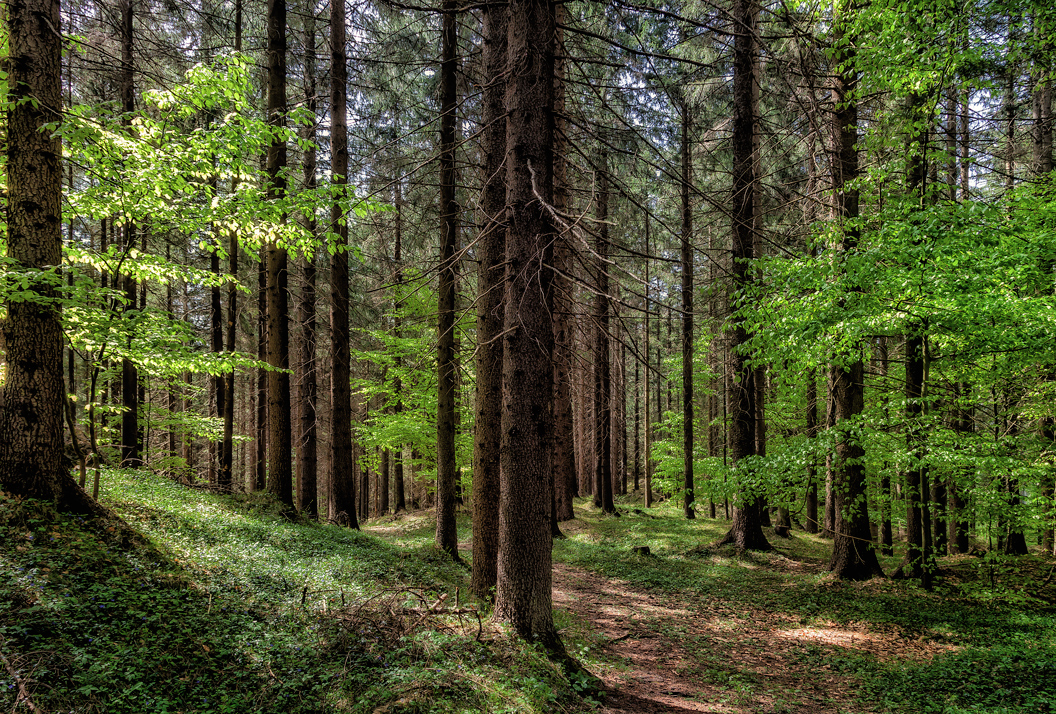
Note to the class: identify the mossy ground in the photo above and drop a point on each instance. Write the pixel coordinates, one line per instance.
(235, 609)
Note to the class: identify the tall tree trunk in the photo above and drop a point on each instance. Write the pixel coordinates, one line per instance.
(260, 469)
(963, 425)
(398, 484)
(446, 532)
(886, 535)
(227, 450)
(523, 590)
(853, 557)
(687, 314)
(746, 530)
(491, 250)
(280, 442)
(129, 372)
(307, 451)
(811, 518)
(32, 396)
(602, 357)
(564, 441)
(648, 379)
(342, 505)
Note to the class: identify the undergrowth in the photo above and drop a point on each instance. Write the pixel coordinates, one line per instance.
(993, 614)
(235, 609)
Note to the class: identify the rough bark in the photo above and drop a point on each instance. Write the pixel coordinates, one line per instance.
(32, 397)
(491, 249)
(280, 442)
(342, 505)
(446, 533)
(129, 372)
(399, 494)
(746, 530)
(810, 524)
(523, 590)
(687, 314)
(307, 450)
(565, 474)
(602, 357)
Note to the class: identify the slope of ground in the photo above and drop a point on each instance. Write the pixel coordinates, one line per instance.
(235, 609)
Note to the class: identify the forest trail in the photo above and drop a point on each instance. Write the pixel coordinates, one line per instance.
(672, 652)
(677, 656)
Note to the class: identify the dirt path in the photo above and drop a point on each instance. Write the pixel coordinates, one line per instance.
(671, 655)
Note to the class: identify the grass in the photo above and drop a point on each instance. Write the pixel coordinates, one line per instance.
(992, 616)
(233, 608)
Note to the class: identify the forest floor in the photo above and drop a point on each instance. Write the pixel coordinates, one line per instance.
(232, 609)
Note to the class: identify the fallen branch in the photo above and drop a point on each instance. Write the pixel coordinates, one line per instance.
(23, 695)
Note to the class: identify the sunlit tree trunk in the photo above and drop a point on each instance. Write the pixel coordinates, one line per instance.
(32, 396)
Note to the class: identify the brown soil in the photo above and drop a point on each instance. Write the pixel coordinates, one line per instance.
(666, 653)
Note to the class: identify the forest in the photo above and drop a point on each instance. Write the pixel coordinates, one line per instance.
(409, 333)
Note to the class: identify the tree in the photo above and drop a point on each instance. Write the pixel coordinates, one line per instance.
(306, 430)
(129, 373)
(446, 532)
(342, 507)
(487, 433)
(686, 256)
(602, 356)
(853, 557)
(746, 530)
(32, 396)
(280, 447)
(522, 594)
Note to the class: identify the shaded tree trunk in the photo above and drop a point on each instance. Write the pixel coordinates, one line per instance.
(602, 376)
(129, 372)
(564, 470)
(307, 451)
(811, 518)
(746, 531)
(687, 315)
(280, 446)
(342, 503)
(446, 533)
(523, 591)
(491, 249)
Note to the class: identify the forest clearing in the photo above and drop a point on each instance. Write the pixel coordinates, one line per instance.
(235, 609)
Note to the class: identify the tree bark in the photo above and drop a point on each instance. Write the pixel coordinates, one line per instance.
(307, 450)
(602, 376)
(687, 314)
(491, 249)
(523, 590)
(342, 505)
(446, 532)
(746, 530)
(32, 397)
(129, 372)
(565, 473)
